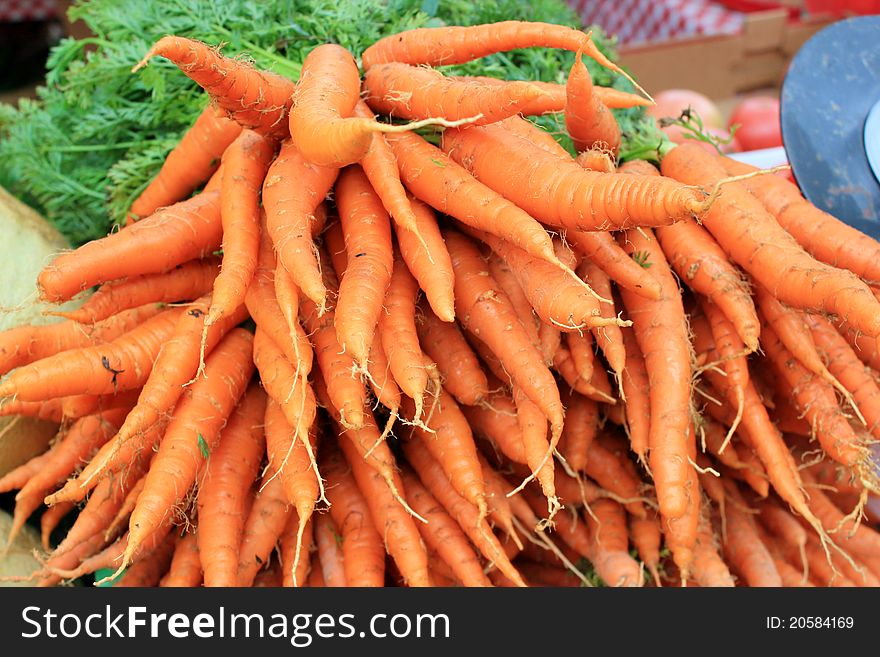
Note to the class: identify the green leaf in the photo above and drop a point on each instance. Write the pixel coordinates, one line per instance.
(692, 123)
(430, 7)
(439, 163)
(203, 447)
(641, 258)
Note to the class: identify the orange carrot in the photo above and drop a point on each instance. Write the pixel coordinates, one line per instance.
(459, 367)
(150, 566)
(504, 275)
(553, 99)
(449, 440)
(293, 460)
(793, 330)
(664, 354)
(483, 309)
(444, 46)
(50, 520)
(433, 177)
(75, 446)
(500, 512)
(189, 164)
(596, 159)
(367, 230)
(256, 99)
(337, 366)
(159, 243)
(293, 190)
(116, 526)
(443, 535)
(588, 121)
(549, 340)
(784, 527)
(579, 431)
(601, 249)
(609, 540)
(418, 93)
(637, 390)
(246, 162)
(292, 538)
(223, 490)
(262, 529)
(103, 505)
(176, 363)
(646, 536)
(535, 134)
(321, 118)
(381, 168)
(329, 541)
(816, 399)
(293, 393)
(77, 406)
(606, 465)
(394, 524)
(382, 382)
(48, 574)
(111, 555)
(362, 548)
(185, 569)
(844, 365)
(608, 337)
(660, 329)
(755, 240)
(709, 569)
(824, 236)
(123, 364)
(705, 268)
(699, 261)
(723, 359)
(184, 283)
(465, 514)
(425, 254)
(580, 346)
(400, 339)
(857, 538)
(23, 345)
(316, 577)
(537, 450)
(495, 420)
(592, 200)
(282, 326)
(191, 435)
(743, 548)
(550, 289)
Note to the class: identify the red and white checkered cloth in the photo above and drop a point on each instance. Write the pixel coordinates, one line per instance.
(642, 21)
(15, 11)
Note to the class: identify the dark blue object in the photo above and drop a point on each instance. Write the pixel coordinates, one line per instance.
(831, 86)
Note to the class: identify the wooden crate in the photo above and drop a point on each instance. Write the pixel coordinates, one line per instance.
(724, 66)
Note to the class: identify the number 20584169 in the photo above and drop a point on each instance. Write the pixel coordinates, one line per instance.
(809, 622)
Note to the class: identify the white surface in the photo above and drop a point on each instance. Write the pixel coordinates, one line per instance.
(872, 139)
(763, 159)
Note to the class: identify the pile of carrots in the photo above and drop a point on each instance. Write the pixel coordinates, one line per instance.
(332, 349)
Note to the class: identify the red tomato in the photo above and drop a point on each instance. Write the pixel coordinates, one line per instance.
(758, 119)
(671, 103)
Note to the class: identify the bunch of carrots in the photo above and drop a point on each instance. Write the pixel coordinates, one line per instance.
(381, 328)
